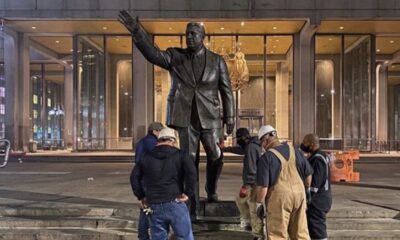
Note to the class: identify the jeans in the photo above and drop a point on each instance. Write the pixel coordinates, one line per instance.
(143, 227)
(172, 214)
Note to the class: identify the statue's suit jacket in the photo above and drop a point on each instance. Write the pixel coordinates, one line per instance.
(185, 88)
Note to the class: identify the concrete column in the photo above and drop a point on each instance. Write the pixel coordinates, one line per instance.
(16, 58)
(68, 107)
(11, 75)
(282, 100)
(303, 83)
(24, 94)
(382, 116)
(143, 95)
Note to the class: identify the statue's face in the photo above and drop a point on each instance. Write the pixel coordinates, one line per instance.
(194, 37)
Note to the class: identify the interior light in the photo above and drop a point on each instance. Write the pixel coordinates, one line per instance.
(169, 40)
(71, 50)
(170, 28)
(341, 27)
(33, 27)
(386, 62)
(330, 39)
(277, 40)
(274, 27)
(202, 23)
(57, 41)
(117, 39)
(391, 41)
(104, 28)
(378, 50)
(333, 91)
(242, 24)
(272, 52)
(222, 28)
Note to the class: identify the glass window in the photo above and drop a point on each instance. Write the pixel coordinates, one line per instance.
(2, 88)
(162, 79)
(37, 108)
(246, 67)
(328, 53)
(278, 85)
(47, 81)
(119, 57)
(91, 92)
(356, 92)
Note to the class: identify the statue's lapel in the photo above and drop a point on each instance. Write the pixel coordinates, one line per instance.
(187, 65)
(209, 65)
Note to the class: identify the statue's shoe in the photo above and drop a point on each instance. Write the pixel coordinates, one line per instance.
(212, 198)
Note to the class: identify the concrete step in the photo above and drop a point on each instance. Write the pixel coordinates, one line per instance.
(66, 222)
(66, 234)
(364, 235)
(127, 213)
(225, 209)
(363, 224)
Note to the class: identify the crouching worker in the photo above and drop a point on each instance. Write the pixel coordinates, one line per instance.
(246, 199)
(169, 179)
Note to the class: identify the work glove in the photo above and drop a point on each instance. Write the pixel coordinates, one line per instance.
(260, 210)
(308, 196)
(243, 192)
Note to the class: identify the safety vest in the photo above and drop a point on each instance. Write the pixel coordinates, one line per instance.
(326, 184)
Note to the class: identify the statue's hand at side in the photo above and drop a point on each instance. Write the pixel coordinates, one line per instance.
(132, 24)
(230, 123)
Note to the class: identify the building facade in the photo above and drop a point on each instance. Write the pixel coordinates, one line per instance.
(70, 76)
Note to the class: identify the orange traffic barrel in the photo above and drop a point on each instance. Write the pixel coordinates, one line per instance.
(342, 167)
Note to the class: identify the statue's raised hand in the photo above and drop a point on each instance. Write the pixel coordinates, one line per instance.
(132, 24)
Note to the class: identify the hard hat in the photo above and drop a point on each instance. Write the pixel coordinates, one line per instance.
(156, 126)
(265, 130)
(167, 133)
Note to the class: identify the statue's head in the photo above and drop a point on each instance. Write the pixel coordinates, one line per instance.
(195, 34)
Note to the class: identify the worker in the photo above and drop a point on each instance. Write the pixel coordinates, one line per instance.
(321, 198)
(283, 175)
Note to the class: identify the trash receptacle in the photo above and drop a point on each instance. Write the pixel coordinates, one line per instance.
(32, 146)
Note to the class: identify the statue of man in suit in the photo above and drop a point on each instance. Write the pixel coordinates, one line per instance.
(198, 76)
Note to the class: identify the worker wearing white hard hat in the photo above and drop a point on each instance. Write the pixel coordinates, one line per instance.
(282, 174)
(162, 182)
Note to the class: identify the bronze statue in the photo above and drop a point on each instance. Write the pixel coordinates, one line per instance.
(198, 76)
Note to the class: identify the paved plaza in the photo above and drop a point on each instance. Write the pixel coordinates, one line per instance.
(96, 190)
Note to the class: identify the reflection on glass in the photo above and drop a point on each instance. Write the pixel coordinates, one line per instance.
(261, 97)
(47, 81)
(250, 53)
(162, 79)
(328, 91)
(279, 82)
(91, 92)
(119, 57)
(2, 90)
(393, 96)
(356, 92)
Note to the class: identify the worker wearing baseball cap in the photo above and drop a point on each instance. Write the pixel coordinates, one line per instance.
(282, 174)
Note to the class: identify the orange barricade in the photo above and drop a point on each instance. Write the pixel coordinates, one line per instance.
(342, 167)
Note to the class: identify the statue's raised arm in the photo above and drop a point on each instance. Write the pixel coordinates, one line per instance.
(132, 24)
(143, 42)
